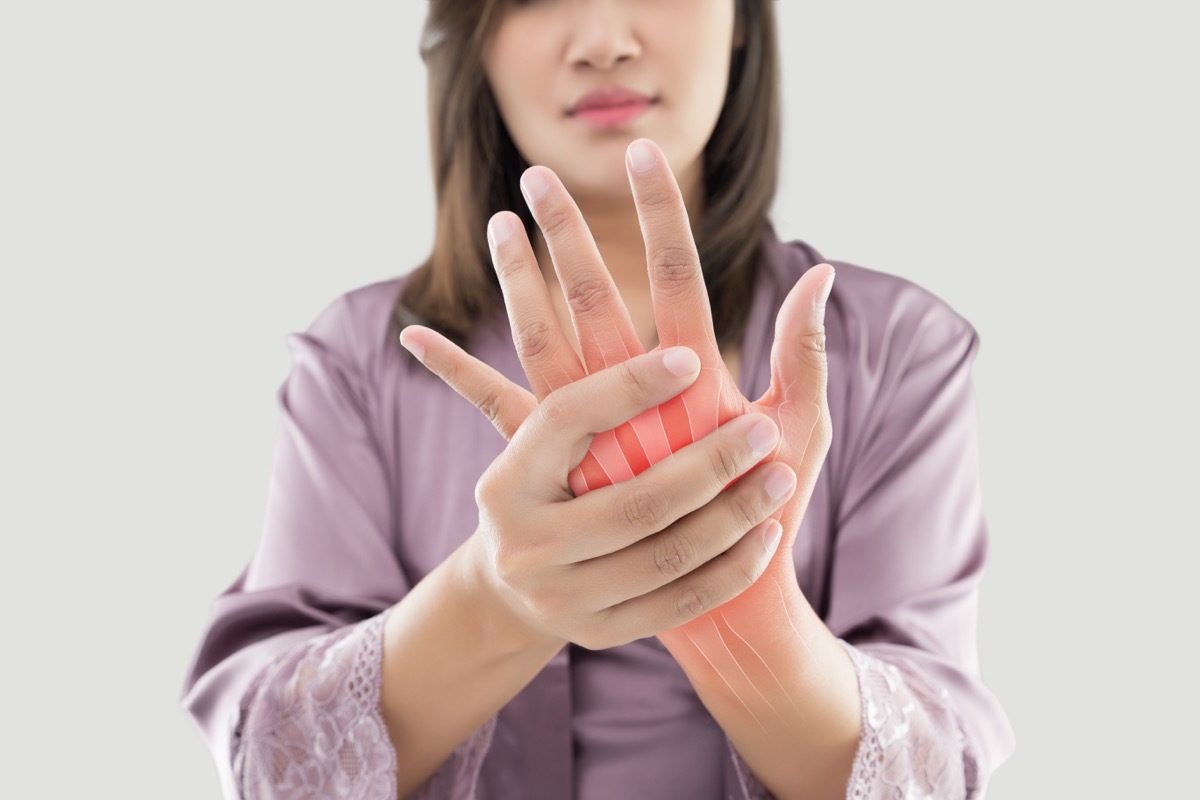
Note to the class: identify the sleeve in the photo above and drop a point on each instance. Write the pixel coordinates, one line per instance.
(286, 682)
(909, 554)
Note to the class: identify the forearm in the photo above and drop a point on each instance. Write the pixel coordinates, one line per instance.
(451, 659)
(784, 691)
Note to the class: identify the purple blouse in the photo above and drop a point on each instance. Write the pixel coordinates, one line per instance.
(373, 486)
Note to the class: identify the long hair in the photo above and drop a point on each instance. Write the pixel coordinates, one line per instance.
(477, 170)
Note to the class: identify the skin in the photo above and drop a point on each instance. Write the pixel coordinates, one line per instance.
(676, 551)
(545, 55)
(758, 656)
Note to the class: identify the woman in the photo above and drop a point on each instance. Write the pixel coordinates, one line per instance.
(785, 607)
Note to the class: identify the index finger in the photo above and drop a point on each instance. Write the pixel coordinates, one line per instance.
(681, 310)
(564, 424)
(601, 320)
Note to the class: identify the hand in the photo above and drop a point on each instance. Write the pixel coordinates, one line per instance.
(796, 398)
(629, 560)
(762, 662)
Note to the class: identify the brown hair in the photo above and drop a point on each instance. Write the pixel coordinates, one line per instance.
(477, 170)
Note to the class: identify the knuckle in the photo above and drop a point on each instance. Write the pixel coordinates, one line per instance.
(744, 509)
(489, 404)
(692, 601)
(815, 341)
(506, 263)
(634, 381)
(589, 294)
(673, 266)
(484, 490)
(725, 465)
(644, 509)
(553, 221)
(554, 411)
(657, 198)
(674, 555)
(533, 339)
(508, 561)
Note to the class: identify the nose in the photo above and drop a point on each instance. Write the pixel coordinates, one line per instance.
(602, 34)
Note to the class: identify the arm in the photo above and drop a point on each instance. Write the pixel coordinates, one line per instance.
(451, 662)
(905, 578)
(905, 574)
(313, 649)
(763, 663)
(909, 546)
(794, 700)
(446, 664)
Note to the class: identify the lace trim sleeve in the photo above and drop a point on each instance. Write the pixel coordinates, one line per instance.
(913, 745)
(310, 722)
(310, 726)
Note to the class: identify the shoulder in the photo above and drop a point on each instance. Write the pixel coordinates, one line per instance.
(357, 327)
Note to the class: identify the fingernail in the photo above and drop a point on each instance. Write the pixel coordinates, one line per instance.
(533, 186)
(762, 437)
(499, 229)
(771, 535)
(681, 361)
(779, 483)
(642, 156)
(413, 347)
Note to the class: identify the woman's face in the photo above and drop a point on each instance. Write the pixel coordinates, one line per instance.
(547, 55)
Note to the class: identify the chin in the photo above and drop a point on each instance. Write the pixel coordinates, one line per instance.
(612, 185)
(599, 178)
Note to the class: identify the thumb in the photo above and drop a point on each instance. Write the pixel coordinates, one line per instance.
(799, 369)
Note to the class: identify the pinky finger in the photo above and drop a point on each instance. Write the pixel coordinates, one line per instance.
(504, 403)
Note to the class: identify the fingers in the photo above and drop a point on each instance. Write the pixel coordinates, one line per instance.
(681, 309)
(798, 360)
(673, 488)
(716, 582)
(500, 400)
(691, 542)
(562, 426)
(546, 355)
(602, 324)
(799, 375)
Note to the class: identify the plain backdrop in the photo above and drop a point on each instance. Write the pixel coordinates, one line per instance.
(181, 185)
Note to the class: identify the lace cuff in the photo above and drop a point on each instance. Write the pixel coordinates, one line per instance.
(913, 745)
(310, 726)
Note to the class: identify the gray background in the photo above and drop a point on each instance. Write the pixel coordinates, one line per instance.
(183, 184)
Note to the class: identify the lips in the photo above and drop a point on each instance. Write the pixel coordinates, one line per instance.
(610, 97)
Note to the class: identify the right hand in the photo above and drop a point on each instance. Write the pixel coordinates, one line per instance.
(628, 560)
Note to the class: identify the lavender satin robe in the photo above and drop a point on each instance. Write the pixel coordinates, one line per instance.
(373, 486)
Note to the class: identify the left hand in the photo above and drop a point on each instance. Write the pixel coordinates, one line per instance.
(796, 398)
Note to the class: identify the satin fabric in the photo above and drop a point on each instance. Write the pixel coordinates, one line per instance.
(373, 485)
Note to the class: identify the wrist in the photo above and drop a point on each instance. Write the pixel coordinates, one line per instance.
(502, 624)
